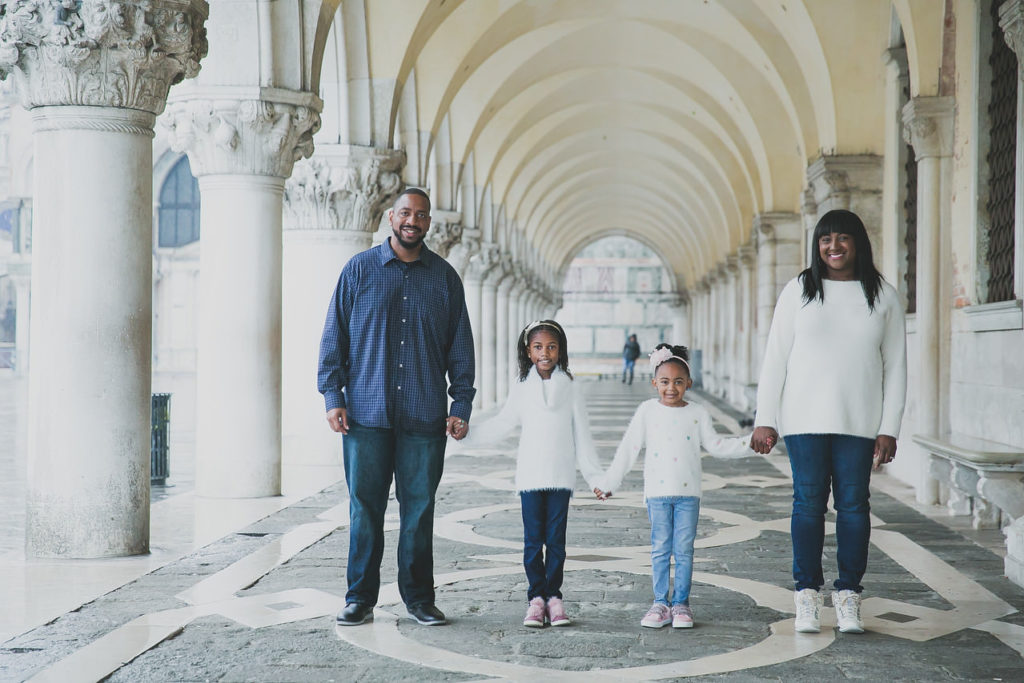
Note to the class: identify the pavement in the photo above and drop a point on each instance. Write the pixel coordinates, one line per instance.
(258, 604)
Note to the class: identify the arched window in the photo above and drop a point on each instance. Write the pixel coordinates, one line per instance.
(179, 207)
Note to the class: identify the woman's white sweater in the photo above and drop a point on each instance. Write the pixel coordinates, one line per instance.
(834, 367)
(555, 436)
(673, 437)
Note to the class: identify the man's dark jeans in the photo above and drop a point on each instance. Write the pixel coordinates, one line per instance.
(372, 458)
(841, 463)
(544, 518)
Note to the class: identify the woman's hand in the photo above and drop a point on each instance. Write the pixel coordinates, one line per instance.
(763, 439)
(602, 495)
(885, 450)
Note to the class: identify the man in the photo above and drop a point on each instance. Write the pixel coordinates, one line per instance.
(630, 352)
(397, 323)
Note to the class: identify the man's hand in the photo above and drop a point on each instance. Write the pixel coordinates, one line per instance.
(602, 495)
(337, 418)
(885, 450)
(764, 439)
(457, 428)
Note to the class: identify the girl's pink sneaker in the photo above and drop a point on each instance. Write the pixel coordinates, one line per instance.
(682, 617)
(556, 613)
(535, 613)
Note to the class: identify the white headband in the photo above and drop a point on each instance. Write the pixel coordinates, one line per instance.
(659, 356)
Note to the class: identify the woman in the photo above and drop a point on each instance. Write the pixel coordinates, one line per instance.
(833, 383)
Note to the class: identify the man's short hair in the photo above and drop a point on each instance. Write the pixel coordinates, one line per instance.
(412, 190)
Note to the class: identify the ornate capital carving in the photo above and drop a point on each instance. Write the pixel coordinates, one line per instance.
(461, 253)
(342, 188)
(483, 261)
(928, 126)
(247, 136)
(747, 255)
(445, 231)
(101, 53)
(1011, 20)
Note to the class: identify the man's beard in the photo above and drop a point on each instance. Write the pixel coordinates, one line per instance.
(406, 243)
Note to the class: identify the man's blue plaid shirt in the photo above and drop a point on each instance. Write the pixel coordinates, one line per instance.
(393, 330)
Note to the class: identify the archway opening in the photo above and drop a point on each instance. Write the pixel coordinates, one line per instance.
(615, 287)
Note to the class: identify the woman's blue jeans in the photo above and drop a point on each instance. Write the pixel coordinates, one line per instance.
(415, 461)
(544, 519)
(841, 464)
(673, 531)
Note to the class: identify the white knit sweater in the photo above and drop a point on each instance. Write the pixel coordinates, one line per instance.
(555, 436)
(834, 367)
(673, 437)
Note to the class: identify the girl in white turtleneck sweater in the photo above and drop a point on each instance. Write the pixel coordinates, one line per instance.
(555, 439)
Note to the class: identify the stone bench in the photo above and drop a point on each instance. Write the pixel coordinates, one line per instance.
(984, 479)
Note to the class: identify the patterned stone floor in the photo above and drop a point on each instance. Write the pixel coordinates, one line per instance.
(258, 604)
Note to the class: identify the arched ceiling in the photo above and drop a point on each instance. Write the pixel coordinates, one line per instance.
(673, 121)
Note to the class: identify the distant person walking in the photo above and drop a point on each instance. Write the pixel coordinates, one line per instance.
(397, 325)
(630, 352)
(833, 383)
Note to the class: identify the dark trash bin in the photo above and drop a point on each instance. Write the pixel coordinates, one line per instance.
(160, 442)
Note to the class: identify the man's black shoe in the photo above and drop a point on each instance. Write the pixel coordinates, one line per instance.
(428, 615)
(355, 614)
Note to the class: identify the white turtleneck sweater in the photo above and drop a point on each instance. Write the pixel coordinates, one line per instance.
(834, 367)
(555, 436)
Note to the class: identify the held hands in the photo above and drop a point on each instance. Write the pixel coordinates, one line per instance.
(763, 439)
(337, 418)
(457, 428)
(885, 450)
(602, 495)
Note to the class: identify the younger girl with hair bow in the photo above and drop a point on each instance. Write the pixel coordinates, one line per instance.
(672, 431)
(554, 439)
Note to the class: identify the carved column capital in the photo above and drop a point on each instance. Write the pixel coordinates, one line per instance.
(260, 131)
(1011, 20)
(464, 250)
(747, 256)
(101, 53)
(481, 263)
(342, 187)
(445, 231)
(928, 126)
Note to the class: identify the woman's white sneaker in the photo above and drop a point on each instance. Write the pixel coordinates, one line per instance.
(847, 604)
(808, 610)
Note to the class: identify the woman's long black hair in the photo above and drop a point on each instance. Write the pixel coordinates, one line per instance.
(848, 223)
(523, 344)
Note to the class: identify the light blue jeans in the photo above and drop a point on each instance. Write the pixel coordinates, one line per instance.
(673, 531)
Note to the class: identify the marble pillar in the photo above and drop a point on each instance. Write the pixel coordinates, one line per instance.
(746, 327)
(480, 296)
(332, 206)
(489, 322)
(778, 239)
(503, 335)
(928, 127)
(241, 148)
(91, 325)
(1011, 20)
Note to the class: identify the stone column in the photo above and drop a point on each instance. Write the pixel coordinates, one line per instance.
(332, 206)
(894, 190)
(731, 330)
(94, 76)
(779, 260)
(479, 298)
(491, 321)
(461, 257)
(241, 145)
(928, 127)
(746, 329)
(502, 333)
